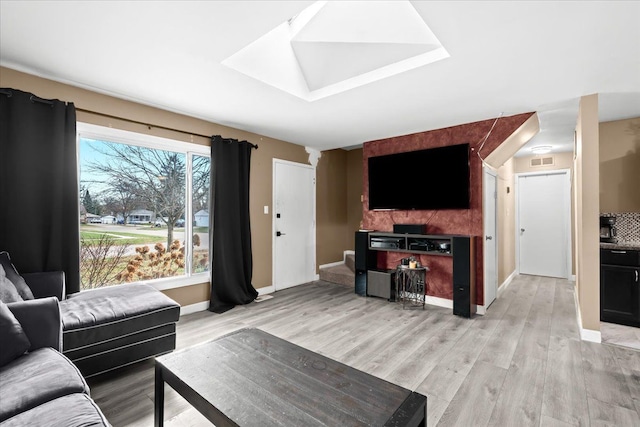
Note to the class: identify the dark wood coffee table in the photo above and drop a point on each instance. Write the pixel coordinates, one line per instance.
(252, 378)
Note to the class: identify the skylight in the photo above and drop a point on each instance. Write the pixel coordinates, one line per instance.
(331, 47)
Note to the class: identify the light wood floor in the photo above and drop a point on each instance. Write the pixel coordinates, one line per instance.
(521, 364)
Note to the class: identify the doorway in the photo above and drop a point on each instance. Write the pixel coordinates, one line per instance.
(490, 250)
(294, 224)
(543, 223)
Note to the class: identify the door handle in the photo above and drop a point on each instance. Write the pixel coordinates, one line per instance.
(636, 276)
(522, 230)
(488, 237)
(618, 252)
(278, 234)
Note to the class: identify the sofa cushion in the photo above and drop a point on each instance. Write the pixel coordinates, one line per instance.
(8, 292)
(36, 378)
(12, 274)
(73, 410)
(104, 314)
(14, 340)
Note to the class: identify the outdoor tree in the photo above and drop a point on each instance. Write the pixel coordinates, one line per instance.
(120, 197)
(89, 204)
(155, 178)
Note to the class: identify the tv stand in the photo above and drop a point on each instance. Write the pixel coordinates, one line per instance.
(461, 248)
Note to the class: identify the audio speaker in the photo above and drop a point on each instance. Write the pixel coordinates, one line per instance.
(464, 278)
(365, 259)
(410, 228)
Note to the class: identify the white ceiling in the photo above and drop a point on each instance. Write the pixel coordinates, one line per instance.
(505, 58)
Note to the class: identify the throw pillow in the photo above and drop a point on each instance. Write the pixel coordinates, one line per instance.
(13, 339)
(8, 292)
(12, 274)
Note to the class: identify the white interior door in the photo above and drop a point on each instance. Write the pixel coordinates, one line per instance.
(294, 224)
(543, 226)
(490, 237)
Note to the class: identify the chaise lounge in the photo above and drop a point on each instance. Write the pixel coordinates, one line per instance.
(105, 328)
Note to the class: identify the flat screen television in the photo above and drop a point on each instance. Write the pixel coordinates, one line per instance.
(435, 178)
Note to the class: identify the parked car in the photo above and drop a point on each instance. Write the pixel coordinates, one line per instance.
(180, 223)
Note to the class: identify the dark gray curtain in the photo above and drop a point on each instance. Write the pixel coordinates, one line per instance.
(232, 260)
(38, 185)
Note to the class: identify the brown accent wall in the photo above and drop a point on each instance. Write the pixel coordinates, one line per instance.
(506, 221)
(620, 166)
(261, 166)
(465, 222)
(331, 209)
(587, 211)
(354, 194)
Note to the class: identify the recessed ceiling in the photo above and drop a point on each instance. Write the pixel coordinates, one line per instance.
(331, 47)
(505, 58)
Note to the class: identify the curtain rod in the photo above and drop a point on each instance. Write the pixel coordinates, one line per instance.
(148, 125)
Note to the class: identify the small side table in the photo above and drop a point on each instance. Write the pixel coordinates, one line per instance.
(411, 285)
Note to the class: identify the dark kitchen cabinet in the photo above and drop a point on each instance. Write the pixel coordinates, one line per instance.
(620, 288)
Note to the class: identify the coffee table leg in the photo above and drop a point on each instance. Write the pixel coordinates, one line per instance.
(158, 407)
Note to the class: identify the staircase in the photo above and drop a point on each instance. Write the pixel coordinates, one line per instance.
(342, 274)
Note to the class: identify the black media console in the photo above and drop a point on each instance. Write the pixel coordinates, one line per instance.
(461, 248)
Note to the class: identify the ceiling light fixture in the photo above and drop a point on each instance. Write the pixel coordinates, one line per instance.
(541, 149)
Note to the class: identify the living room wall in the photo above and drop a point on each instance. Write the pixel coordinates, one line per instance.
(354, 193)
(465, 222)
(506, 222)
(261, 167)
(620, 166)
(331, 231)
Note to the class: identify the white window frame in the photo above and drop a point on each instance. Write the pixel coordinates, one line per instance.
(189, 149)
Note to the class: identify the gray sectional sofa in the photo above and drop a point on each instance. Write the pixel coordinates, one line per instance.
(39, 385)
(104, 328)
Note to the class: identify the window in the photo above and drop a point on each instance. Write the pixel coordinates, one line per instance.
(144, 209)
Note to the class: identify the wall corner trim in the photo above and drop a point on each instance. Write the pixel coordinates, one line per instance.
(314, 156)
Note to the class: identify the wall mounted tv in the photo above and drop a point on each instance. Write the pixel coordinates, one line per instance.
(435, 178)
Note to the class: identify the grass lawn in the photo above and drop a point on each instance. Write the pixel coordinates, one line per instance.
(129, 238)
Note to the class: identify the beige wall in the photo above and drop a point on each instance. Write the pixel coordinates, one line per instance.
(354, 194)
(620, 166)
(506, 221)
(261, 167)
(587, 209)
(331, 214)
(560, 161)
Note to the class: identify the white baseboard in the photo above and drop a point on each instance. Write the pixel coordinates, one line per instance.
(266, 290)
(349, 252)
(331, 264)
(503, 287)
(315, 278)
(585, 334)
(481, 310)
(440, 302)
(194, 308)
(572, 278)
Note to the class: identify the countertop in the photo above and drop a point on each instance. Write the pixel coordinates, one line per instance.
(624, 246)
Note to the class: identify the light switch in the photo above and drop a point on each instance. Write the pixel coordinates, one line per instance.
(266, 210)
